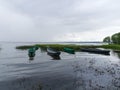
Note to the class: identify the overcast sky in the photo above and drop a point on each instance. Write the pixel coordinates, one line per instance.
(58, 20)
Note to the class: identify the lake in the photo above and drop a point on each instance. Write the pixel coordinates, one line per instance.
(82, 71)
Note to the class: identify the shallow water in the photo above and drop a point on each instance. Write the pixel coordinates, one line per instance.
(82, 71)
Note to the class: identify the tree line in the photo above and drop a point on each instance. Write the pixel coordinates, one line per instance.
(115, 39)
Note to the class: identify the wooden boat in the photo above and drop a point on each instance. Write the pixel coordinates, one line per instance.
(36, 48)
(31, 52)
(69, 50)
(53, 52)
(96, 51)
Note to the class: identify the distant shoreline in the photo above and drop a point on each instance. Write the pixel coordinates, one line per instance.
(53, 42)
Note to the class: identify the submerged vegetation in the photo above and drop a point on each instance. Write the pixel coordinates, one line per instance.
(61, 47)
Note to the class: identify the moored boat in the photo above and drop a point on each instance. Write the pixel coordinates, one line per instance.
(69, 50)
(53, 52)
(31, 52)
(96, 51)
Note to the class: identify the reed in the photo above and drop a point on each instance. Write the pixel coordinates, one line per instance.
(60, 47)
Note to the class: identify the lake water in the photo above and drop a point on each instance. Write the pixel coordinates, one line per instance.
(82, 71)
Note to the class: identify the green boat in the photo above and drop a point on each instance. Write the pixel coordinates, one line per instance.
(36, 47)
(69, 50)
(31, 52)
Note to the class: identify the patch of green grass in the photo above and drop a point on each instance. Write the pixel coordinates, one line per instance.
(111, 46)
(24, 47)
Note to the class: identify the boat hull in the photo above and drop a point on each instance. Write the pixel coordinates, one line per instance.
(96, 51)
(53, 52)
(69, 50)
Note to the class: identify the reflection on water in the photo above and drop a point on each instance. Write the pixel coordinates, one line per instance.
(116, 54)
(31, 58)
(55, 57)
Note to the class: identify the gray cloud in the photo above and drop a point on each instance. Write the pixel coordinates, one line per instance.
(58, 20)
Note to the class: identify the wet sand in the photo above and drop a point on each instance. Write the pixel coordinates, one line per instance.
(82, 71)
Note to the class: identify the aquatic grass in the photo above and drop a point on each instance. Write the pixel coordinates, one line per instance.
(111, 46)
(24, 47)
(60, 47)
